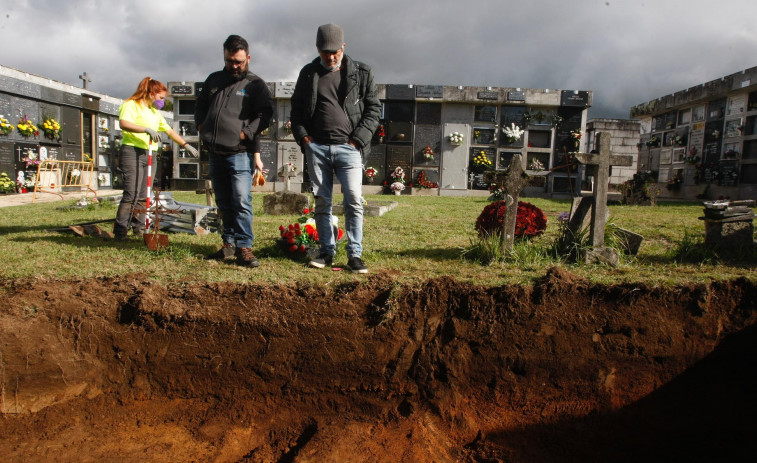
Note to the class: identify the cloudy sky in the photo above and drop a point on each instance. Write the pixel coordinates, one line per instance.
(625, 51)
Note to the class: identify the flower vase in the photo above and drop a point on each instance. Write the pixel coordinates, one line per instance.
(381, 140)
(397, 192)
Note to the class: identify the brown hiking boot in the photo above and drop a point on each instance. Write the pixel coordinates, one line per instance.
(246, 258)
(227, 252)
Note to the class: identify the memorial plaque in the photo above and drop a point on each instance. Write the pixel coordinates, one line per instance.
(48, 111)
(284, 89)
(21, 107)
(398, 111)
(51, 95)
(70, 153)
(377, 159)
(484, 136)
(429, 91)
(269, 157)
(488, 95)
(5, 107)
(186, 107)
(187, 129)
(7, 159)
(20, 87)
(189, 170)
(728, 174)
(513, 115)
(400, 92)
(90, 102)
(429, 114)
(733, 128)
(574, 98)
(432, 175)
(70, 122)
(72, 99)
(485, 113)
(401, 132)
(504, 159)
(399, 156)
(716, 109)
(180, 89)
(53, 152)
(516, 96)
(428, 136)
(108, 108)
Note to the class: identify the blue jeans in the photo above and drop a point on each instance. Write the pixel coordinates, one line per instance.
(231, 177)
(344, 161)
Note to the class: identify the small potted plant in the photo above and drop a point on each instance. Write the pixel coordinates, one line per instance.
(481, 162)
(7, 185)
(381, 133)
(51, 127)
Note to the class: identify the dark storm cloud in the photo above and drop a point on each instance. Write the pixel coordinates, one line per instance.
(626, 52)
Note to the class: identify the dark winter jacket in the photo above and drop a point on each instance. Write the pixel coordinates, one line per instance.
(227, 106)
(361, 103)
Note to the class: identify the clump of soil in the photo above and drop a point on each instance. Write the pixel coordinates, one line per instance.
(125, 369)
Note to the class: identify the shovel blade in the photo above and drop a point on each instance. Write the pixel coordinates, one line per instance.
(156, 241)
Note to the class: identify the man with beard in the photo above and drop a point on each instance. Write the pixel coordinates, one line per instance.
(232, 109)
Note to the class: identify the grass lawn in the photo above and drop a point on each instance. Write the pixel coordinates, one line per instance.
(423, 237)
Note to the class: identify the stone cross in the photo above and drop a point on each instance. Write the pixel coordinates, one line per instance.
(513, 181)
(600, 164)
(288, 171)
(84, 79)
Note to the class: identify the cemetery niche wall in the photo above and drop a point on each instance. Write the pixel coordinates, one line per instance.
(72, 124)
(414, 134)
(700, 143)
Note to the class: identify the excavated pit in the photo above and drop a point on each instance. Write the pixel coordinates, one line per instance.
(124, 369)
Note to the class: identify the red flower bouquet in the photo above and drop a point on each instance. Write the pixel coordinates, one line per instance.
(301, 237)
(530, 220)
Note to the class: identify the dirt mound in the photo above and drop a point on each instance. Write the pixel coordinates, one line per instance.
(125, 369)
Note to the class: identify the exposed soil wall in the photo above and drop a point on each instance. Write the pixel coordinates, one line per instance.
(126, 370)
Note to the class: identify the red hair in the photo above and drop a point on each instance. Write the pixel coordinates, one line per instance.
(146, 88)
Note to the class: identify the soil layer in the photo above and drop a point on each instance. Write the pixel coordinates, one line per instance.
(125, 369)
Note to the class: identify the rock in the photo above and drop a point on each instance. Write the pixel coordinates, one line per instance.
(603, 255)
(285, 203)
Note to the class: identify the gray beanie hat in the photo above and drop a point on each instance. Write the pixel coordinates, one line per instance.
(330, 37)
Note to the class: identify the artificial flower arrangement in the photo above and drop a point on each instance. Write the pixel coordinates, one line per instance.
(530, 221)
(653, 142)
(575, 135)
(513, 132)
(398, 175)
(5, 126)
(288, 126)
(51, 127)
(30, 159)
(674, 182)
(26, 127)
(7, 185)
(456, 138)
(692, 157)
(482, 161)
(679, 140)
(536, 165)
(301, 237)
(380, 133)
(422, 182)
(370, 173)
(428, 153)
(397, 187)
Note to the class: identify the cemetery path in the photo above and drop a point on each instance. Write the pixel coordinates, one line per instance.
(126, 369)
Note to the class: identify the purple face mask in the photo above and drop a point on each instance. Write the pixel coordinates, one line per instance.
(158, 104)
